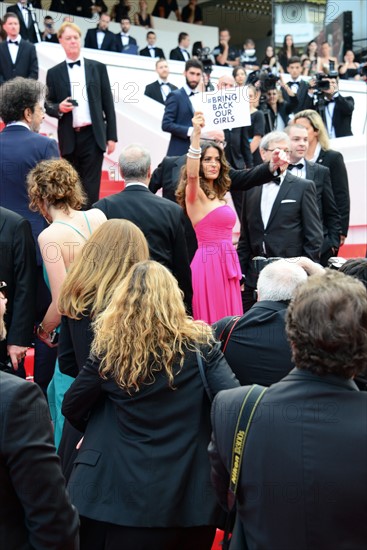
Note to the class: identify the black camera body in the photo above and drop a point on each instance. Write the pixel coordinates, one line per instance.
(259, 262)
(267, 79)
(204, 57)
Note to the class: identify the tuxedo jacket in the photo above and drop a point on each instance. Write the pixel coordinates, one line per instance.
(302, 96)
(18, 270)
(177, 55)
(294, 227)
(35, 509)
(27, 32)
(162, 223)
(329, 214)
(14, 170)
(158, 52)
(100, 99)
(124, 49)
(153, 91)
(342, 116)
(339, 182)
(153, 441)
(258, 350)
(108, 44)
(304, 431)
(237, 150)
(176, 120)
(26, 63)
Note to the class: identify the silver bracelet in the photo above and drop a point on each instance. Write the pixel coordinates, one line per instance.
(193, 150)
(196, 157)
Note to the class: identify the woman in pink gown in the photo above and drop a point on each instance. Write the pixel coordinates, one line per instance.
(215, 268)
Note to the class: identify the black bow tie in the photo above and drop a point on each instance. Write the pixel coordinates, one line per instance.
(329, 100)
(163, 84)
(290, 83)
(298, 166)
(71, 65)
(14, 42)
(101, 30)
(276, 180)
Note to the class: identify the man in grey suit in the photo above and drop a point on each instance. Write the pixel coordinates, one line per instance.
(17, 56)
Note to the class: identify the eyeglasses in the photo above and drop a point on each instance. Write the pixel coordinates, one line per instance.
(3, 292)
(216, 141)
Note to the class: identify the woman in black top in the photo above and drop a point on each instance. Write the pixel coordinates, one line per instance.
(287, 51)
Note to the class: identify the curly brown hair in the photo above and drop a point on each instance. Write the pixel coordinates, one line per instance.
(326, 325)
(221, 185)
(56, 182)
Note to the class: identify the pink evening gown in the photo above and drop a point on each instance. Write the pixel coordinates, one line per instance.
(215, 268)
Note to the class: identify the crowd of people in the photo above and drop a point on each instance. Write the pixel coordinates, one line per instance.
(153, 330)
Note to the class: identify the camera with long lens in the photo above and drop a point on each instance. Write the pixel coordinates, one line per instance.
(265, 77)
(323, 80)
(204, 56)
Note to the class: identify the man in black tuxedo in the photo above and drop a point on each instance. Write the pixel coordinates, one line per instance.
(18, 269)
(256, 346)
(27, 24)
(49, 34)
(151, 49)
(86, 128)
(101, 38)
(181, 52)
(298, 86)
(124, 42)
(17, 56)
(161, 221)
(279, 219)
(160, 89)
(306, 428)
(320, 175)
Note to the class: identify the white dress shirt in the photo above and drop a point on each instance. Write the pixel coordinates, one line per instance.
(81, 113)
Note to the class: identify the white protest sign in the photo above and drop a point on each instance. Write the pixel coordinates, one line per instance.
(224, 109)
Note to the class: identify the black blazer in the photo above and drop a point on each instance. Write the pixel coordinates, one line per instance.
(102, 109)
(162, 223)
(158, 52)
(108, 44)
(26, 63)
(285, 108)
(35, 509)
(237, 150)
(151, 442)
(339, 182)
(306, 428)
(258, 350)
(26, 32)
(302, 96)
(18, 270)
(294, 227)
(177, 55)
(123, 49)
(153, 91)
(342, 116)
(329, 214)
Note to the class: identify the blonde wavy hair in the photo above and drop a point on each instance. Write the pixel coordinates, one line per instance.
(317, 124)
(221, 184)
(57, 183)
(104, 262)
(145, 329)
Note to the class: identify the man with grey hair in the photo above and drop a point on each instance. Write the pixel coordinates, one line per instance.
(279, 219)
(161, 220)
(255, 344)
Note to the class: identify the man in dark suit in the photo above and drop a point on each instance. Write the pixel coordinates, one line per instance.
(49, 34)
(320, 175)
(255, 345)
(35, 509)
(161, 88)
(86, 128)
(124, 42)
(151, 49)
(279, 219)
(298, 86)
(27, 24)
(161, 221)
(179, 110)
(306, 428)
(181, 52)
(101, 38)
(19, 270)
(17, 56)
(22, 113)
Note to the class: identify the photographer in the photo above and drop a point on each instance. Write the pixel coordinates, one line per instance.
(49, 34)
(335, 110)
(298, 86)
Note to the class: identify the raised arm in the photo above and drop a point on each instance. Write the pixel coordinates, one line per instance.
(193, 160)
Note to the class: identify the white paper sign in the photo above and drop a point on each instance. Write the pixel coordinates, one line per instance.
(224, 109)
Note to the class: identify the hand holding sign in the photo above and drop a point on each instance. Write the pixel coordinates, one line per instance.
(198, 119)
(224, 108)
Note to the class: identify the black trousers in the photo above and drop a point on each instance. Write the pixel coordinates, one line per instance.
(87, 159)
(98, 535)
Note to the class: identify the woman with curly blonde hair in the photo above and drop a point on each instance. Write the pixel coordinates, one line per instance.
(141, 402)
(215, 268)
(55, 191)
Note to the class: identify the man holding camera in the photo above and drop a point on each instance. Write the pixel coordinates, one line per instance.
(49, 34)
(80, 98)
